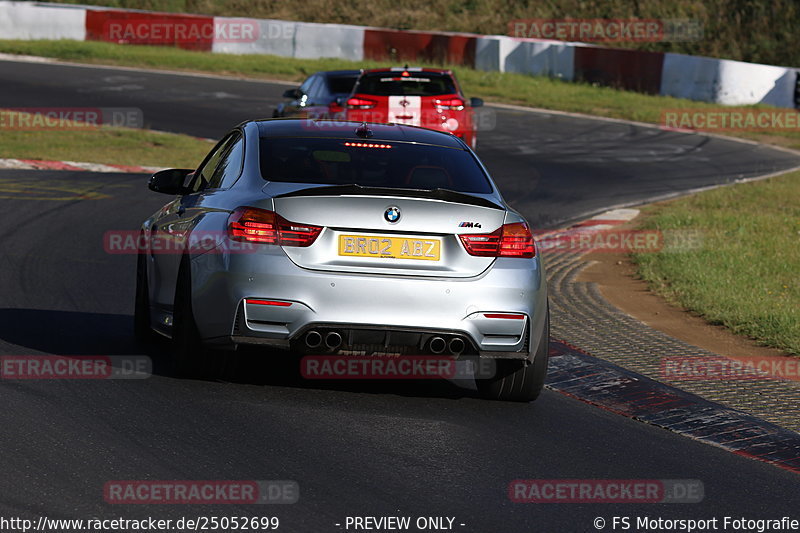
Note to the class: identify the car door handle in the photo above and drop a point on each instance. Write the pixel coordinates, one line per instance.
(181, 210)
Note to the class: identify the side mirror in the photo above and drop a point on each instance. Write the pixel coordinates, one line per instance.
(476, 102)
(294, 94)
(169, 181)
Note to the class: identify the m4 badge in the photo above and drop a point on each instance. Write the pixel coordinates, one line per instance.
(469, 225)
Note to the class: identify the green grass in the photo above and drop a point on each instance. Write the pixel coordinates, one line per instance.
(746, 275)
(493, 86)
(103, 145)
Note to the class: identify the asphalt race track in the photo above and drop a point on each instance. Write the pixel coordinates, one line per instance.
(554, 168)
(413, 448)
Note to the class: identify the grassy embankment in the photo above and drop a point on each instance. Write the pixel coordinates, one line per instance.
(746, 273)
(72, 140)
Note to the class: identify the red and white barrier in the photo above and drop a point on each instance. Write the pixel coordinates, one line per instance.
(696, 78)
(28, 21)
(192, 32)
(555, 59)
(313, 41)
(631, 70)
(274, 37)
(291, 39)
(727, 82)
(408, 46)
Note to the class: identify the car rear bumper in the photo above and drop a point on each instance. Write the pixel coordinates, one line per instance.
(264, 298)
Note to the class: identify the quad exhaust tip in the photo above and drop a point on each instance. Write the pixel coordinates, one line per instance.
(457, 346)
(313, 339)
(437, 345)
(333, 340)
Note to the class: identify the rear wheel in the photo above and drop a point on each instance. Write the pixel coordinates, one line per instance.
(190, 357)
(516, 381)
(141, 314)
(187, 350)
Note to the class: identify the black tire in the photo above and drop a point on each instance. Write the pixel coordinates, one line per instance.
(141, 312)
(190, 357)
(515, 381)
(187, 350)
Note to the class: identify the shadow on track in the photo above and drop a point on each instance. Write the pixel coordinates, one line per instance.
(73, 333)
(272, 367)
(68, 332)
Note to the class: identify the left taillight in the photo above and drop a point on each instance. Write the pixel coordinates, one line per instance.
(455, 104)
(510, 240)
(360, 103)
(251, 224)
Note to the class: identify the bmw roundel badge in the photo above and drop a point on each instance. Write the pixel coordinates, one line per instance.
(392, 214)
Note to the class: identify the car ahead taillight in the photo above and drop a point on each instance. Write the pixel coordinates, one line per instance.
(267, 227)
(510, 240)
(360, 103)
(455, 104)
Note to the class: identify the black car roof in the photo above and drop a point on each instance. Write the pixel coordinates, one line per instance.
(342, 129)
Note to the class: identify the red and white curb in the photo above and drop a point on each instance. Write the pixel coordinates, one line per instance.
(598, 223)
(36, 164)
(577, 374)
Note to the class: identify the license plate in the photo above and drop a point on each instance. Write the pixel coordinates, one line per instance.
(389, 247)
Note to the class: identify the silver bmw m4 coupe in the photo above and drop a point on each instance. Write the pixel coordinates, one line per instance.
(345, 238)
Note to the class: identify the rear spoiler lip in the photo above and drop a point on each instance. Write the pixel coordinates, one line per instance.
(358, 190)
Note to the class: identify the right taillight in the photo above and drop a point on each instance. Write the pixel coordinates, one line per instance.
(360, 103)
(510, 240)
(251, 224)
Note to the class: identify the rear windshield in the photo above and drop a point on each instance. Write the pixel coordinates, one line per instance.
(417, 84)
(342, 84)
(391, 165)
